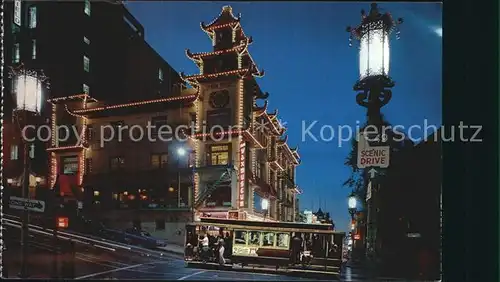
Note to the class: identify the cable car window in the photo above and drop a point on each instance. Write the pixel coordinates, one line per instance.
(240, 237)
(254, 238)
(283, 240)
(268, 239)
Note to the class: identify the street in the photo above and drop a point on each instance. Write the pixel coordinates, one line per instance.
(101, 263)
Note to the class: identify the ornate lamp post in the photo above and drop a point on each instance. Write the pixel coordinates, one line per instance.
(374, 53)
(28, 96)
(352, 203)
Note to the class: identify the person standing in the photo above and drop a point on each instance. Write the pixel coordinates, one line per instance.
(221, 244)
(204, 248)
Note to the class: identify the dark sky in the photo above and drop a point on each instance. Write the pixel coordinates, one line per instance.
(310, 71)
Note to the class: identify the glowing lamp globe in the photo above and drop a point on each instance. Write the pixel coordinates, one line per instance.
(264, 204)
(374, 52)
(352, 202)
(181, 151)
(28, 89)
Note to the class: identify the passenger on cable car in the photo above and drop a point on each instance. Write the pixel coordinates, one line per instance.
(296, 247)
(204, 248)
(228, 240)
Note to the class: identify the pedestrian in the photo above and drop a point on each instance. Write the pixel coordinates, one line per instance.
(296, 248)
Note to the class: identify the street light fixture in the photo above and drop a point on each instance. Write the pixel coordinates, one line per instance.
(28, 97)
(264, 204)
(10, 180)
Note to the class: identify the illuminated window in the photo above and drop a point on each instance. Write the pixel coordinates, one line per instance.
(86, 89)
(240, 237)
(160, 74)
(268, 239)
(17, 12)
(219, 154)
(283, 240)
(159, 160)
(86, 40)
(96, 193)
(32, 17)
(117, 163)
(14, 152)
(16, 54)
(254, 238)
(69, 165)
(33, 49)
(86, 63)
(32, 151)
(86, 9)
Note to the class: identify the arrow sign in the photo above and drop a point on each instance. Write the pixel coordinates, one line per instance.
(372, 172)
(26, 204)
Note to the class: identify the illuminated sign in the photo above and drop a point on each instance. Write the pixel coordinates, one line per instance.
(17, 12)
(62, 222)
(241, 170)
(357, 236)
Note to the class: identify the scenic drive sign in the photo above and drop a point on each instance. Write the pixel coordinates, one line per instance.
(368, 156)
(26, 204)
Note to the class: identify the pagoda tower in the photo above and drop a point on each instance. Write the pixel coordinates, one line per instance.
(225, 140)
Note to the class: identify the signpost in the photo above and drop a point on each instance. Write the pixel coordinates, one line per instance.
(369, 156)
(26, 204)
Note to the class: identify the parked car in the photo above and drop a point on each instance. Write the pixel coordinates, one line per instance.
(143, 238)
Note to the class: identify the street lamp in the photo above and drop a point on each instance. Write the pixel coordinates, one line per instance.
(352, 203)
(374, 53)
(28, 97)
(264, 204)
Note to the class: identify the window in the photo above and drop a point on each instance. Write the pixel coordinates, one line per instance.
(69, 165)
(160, 224)
(160, 74)
(254, 238)
(240, 237)
(16, 55)
(86, 89)
(159, 160)
(268, 239)
(32, 17)
(117, 163)
(32, 151)
(86, 8)
(283, 240)
(33, 49)
(219, 155)
(88, 165)
(86, 40)
(219, 118)
(86, 63)
(14, 152)
(157, 123)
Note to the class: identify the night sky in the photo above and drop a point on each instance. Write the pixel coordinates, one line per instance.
(310, 71)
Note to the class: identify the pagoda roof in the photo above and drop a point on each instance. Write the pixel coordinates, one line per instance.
(225, 18)
(82, 97)
(259, 111)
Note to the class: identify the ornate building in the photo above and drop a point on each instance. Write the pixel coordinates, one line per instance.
(234, 153)
(241, 152)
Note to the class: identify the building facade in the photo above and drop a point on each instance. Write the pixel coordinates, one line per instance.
(95, 48)
(223, 157)
(249, 160)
